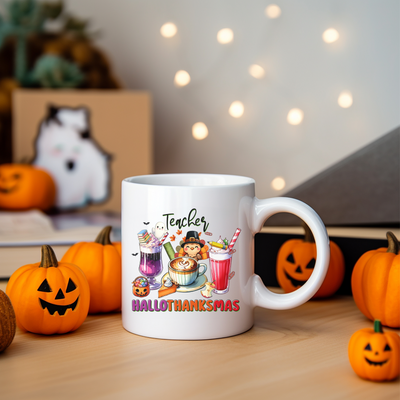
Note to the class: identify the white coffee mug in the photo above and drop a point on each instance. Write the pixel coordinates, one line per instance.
(213, 219)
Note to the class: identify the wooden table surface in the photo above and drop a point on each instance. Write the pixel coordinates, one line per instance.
(295, 354)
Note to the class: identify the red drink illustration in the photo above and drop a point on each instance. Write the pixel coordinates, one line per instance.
(220, 264)
(221, 261)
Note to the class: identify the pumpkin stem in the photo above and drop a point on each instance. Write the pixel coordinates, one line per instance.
(308, 236)
(49, 258)
(378, 326)
(393, 243)
(104, 236)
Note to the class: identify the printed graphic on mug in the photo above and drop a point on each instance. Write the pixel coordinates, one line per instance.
(193, 266)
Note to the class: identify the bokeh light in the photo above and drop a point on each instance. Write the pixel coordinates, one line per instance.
(236, 109)
(168, 30)
(295, 116)
(256, 71)
(273, 11)
(330, 35)
(199, 131)
(345, 99)
(225, 36)
(182, 78)
(278, 183)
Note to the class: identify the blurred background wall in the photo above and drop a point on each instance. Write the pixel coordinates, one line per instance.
(302, 71)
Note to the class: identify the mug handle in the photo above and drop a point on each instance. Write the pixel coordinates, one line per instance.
(204, 270)
(260, 211)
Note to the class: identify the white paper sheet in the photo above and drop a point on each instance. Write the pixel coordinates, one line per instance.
(31, 228)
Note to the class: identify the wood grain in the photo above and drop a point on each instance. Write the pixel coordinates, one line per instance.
(296, 354)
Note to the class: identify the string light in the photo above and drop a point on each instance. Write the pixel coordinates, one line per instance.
(199, 131)
(225, 36)
(278, 183)
(273, 11)
(295, 116)
(182, 78)
(330, 35)
(168, 30)
(256, 71)
(236, 109)
(345, 99)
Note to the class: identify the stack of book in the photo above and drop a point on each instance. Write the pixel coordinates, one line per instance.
(23, 233)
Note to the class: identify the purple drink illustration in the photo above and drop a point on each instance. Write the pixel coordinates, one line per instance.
(150, 258)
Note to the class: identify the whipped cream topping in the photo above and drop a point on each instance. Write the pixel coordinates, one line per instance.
(168, 283)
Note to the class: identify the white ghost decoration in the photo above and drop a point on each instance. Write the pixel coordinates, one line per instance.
(159, 230)
(65, 148)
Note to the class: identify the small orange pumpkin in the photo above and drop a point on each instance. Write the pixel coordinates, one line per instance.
(375, 355)
(23, 187)
(49, 297)
(101, 262)
(296, 261)
(375, 283)
(7, 321)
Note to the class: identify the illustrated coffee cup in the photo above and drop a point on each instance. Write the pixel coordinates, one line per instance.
(183, 271)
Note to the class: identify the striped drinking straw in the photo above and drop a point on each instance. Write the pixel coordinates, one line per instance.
(234, 238)
(163, 238)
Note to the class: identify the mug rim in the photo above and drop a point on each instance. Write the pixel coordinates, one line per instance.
(190, 180)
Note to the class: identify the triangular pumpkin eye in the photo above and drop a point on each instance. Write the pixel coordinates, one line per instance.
(290, 258)
(311, 264)
(387, 348)
(44, 287)
(71, 286)
(368, 347)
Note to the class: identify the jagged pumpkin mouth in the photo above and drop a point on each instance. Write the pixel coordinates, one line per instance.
(375, 363)
(6, 190)
(295, 282)
(52, 308)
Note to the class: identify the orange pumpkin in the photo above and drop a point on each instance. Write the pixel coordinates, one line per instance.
(23, 187)
(101, 262)
(7, 321)
(296, 260)
(375, 355)
(49, 297)
(375, 283)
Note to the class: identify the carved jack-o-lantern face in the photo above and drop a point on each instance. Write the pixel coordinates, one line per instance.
(295, 264)
(9, 182)
(298, 268)
(296, 261)
(24, 186)
(141, 292)
(377, 352)
(141, 287)
(374, 354)
(61, 301)
(49, 297)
